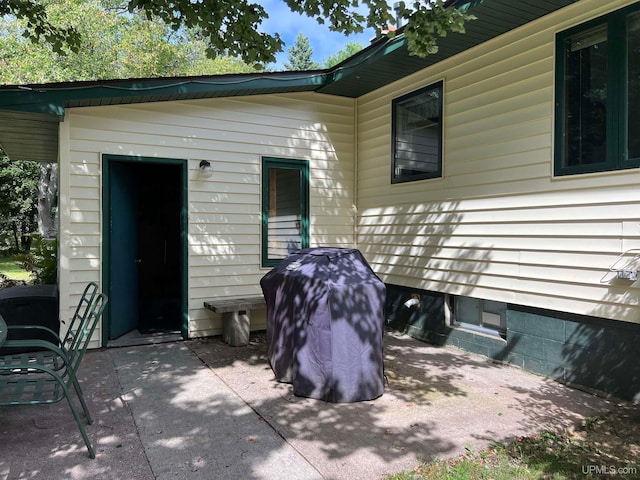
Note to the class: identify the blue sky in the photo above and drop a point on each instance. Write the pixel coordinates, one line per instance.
(289, 24)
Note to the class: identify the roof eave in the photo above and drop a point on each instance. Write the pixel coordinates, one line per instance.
(385, 61)
(53, 98)
(388, 60)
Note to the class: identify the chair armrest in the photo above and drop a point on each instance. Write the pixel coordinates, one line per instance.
(35, 344)
(33, 327)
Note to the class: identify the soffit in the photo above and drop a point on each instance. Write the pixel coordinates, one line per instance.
(387, 61)
(29, 136)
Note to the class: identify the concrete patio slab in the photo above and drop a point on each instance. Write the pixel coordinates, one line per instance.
(437, 402)
(43, 442)
(201, 409)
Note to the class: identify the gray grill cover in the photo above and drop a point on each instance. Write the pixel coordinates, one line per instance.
(325, 320)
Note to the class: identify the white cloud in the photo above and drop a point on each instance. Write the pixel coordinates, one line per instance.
(288, 24)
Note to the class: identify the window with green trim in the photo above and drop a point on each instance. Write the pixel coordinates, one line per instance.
(416, 124)
(285, 208)
(598, 95)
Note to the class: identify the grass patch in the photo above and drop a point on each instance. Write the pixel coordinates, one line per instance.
(606, 446)
(12, 270)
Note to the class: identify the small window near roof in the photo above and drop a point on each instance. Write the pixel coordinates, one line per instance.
(417, 135)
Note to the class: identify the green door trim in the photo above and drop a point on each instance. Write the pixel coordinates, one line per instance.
(106, 241)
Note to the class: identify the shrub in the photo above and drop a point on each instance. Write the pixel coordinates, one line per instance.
(41, 261)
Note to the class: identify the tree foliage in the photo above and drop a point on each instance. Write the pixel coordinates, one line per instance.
(232, 27)
(428, 21)
(349, 50)
(18, 207)
(300, 55)
(42, 261)
(37, 24)
(425, 20)
(113, 44)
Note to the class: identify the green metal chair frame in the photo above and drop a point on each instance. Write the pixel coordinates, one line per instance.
(66, 344)
(46, 376)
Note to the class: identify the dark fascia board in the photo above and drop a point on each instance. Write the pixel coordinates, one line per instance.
(53, 98)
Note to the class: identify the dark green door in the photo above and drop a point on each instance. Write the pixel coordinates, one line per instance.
(146, 249)
(123, 288)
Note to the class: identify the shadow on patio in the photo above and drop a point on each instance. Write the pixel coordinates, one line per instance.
(437, 401)
(160, 412)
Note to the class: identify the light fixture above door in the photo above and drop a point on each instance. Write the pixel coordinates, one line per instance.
(206, 170)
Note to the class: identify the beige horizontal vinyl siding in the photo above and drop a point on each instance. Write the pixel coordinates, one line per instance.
(498, 225)
(79, 211)
(233, 134)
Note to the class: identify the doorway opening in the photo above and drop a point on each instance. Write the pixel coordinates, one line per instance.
(145, 259)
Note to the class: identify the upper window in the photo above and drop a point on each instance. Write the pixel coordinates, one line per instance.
(597, 92)
(417, 135)
(285, 208)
